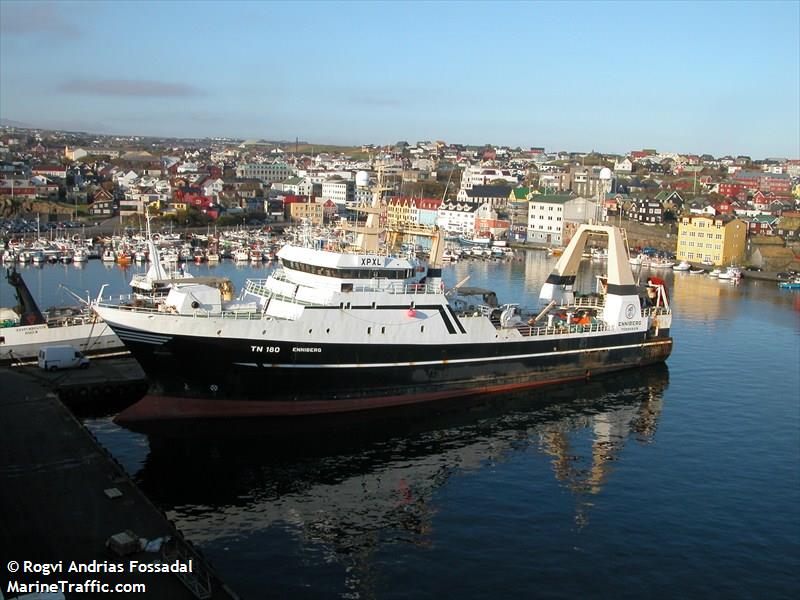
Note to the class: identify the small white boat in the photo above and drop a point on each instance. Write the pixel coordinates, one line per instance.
(731, 274)
(682, 266)
(662, 264)
(109, 256)
(715, 273)
(636, 261)
(449, 256)
(241, 255)
(696, 271)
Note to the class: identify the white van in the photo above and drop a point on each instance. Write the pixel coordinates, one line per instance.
(52, 358)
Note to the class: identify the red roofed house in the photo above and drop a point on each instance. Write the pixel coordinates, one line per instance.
(731, 189)
(724, 207)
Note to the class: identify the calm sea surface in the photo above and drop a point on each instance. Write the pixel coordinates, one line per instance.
(677, 481)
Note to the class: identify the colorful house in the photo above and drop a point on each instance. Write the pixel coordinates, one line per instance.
(720, 239)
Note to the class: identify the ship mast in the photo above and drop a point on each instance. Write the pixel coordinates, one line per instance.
(367, 239)
(156, 270)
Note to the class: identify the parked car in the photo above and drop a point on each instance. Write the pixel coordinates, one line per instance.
(53, 358)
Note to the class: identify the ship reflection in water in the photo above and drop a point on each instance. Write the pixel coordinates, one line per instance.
(343, 494)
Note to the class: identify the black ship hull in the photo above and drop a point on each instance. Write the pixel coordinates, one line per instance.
(195, 377)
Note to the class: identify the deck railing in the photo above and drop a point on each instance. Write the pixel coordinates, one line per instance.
(589, 302)
(259, 287)
(531, 330)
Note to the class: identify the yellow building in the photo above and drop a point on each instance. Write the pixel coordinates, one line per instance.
(313, 211)
(720, 239)
(401, 212)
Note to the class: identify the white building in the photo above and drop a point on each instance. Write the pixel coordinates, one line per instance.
(546, 219)
(187, 167)
(623, 166)
(341, 192)
(126, 180)
(266, 172)
(212, 188)
(300, 186)
(478, 175)
(581, 210)
(457, 217)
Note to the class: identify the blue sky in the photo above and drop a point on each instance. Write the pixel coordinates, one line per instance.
(716, 77)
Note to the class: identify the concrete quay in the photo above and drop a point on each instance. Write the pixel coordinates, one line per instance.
(64, 497)
(105, 380)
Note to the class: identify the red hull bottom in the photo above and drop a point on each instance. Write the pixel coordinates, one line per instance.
(167, 408)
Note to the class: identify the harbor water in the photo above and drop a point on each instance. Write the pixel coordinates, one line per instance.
(681, 480)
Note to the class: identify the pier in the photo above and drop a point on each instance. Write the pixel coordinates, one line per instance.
(66, 499)
(113, 380)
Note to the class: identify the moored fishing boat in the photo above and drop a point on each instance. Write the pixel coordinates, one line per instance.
(25, 329)
(340, 331)
(792, 284)
(731, 274)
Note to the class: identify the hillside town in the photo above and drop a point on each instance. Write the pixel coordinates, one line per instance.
(527, 196)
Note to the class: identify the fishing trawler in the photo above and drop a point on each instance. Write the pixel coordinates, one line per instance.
(25, 329)
(340, 328)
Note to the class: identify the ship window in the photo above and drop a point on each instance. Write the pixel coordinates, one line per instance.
(383, 329)
(421, 328)
(369, 330)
